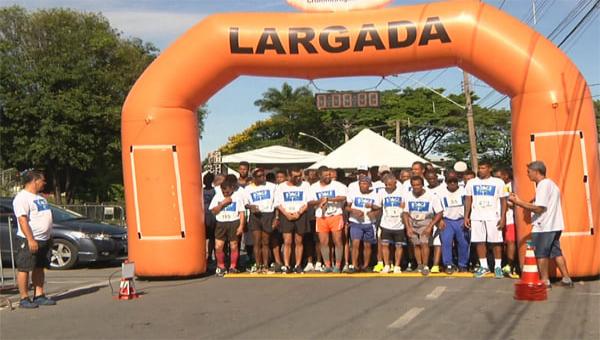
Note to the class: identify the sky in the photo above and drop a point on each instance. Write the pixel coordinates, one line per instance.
(231, 110)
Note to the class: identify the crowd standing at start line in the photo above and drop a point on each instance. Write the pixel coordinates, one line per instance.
(378, 220)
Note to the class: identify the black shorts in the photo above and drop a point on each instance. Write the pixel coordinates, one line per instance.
(226, 231)
(397, 237)
(261, 222)
(26, 261)
(299, 226)
(547, 244)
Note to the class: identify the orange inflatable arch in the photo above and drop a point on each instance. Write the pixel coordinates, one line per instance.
(552, 111)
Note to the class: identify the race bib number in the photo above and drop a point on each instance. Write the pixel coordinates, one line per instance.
(393, 211)
(485, 202)
(330, 209)
(418, 216)
(451, 202)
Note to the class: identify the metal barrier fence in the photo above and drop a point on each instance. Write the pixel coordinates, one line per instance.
(7, 251)
(113, 214)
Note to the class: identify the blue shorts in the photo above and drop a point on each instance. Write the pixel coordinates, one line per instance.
(363, 232)
(546, 244)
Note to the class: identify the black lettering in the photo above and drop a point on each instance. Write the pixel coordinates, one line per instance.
(234, 42)
(263, 43)
(440, 32)
(343, 41)
(393, 33)
(361, 41)
(295, 41)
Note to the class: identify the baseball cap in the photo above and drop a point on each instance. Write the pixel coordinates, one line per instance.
(383, 168)
(362, 167)
(460, 166)
(257, 170)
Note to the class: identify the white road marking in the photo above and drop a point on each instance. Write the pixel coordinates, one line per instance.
(436, 293)
(406, 317)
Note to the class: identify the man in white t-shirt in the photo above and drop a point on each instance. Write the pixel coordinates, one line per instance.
(422, 211)
(453, 226)
(392, 228)
(291, 200)
(363, 207)
(34, 239)
(437, 189)
(485, 215)
(228, 207)
(259, 198)
(328, 198)
(547, 222)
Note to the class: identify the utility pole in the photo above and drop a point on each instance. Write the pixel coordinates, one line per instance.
(470, 122)
(397, 131)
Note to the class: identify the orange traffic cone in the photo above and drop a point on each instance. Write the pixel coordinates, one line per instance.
(530, 287)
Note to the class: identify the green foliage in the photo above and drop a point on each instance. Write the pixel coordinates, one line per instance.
(65, 76)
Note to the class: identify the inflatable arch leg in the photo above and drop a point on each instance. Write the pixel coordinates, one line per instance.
(553, 117)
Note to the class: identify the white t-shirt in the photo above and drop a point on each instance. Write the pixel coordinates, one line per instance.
(453, 204)
(230, 212)
(331, 190)
(439, 191)
(510, 214)
(547, 195)
(422, 207)
(38, 213)
(378, 186)
(290, 197)
(486, 194)
(263, 196)
(392, 206)
(359, 201)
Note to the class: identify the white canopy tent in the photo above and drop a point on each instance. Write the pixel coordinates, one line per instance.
(274, 154)
(369, 148)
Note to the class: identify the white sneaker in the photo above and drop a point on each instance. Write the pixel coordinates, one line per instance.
(397, 270)
(309, 267)
(318, 267)
(386, 269)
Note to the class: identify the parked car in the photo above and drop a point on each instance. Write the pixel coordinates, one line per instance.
(76, 239)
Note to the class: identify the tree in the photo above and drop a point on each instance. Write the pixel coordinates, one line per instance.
(65, 76)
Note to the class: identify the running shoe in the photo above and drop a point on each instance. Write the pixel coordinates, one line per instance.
(463, 269)
(220, 272)
(318, 267)
(563, 283)
(513, 274)
(397, 270)
(345, 270)
(378, 267)
(481, 272)
(351, 269)
(285, 269)
(309, 267)
(449, 269)
(327, 269)
(409, 268)
(425, 271)
(298, 270)
(235, 270)
(498, 273)
(276, 268)
(506, 270)
(336, 269)
(27, 304)
(42, 300)
(385, 270)
(253, 269)
(435, 269)
(419, 268)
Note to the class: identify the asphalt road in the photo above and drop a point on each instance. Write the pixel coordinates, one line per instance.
(357, 308)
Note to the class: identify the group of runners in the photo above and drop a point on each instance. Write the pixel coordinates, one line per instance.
(318, 220)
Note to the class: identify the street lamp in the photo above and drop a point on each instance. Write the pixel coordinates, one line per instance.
(315, 138)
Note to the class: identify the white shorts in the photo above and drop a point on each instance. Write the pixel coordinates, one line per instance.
(436, 240)
(485, 231)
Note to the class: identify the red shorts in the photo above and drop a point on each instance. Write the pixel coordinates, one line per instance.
(330, 223)
(509, 233)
